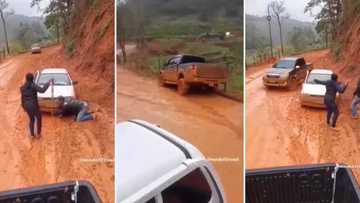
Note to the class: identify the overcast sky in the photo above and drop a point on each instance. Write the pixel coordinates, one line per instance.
(295, 8)
(23, 7)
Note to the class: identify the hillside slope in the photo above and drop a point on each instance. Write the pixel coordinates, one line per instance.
(259, 26)
(91, 45)
(349, 43)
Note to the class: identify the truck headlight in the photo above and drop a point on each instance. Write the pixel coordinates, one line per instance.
(284, 76)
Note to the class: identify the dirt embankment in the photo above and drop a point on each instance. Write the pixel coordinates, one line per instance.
(210, 122)
(67, 150)
(92, 35)
(280, 132)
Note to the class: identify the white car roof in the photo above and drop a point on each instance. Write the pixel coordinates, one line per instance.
(322, 71)
(144, 153)
(54, 70)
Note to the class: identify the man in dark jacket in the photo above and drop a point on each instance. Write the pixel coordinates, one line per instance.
(332, 88)
(29, 102)
(355, 101)
(80, 109)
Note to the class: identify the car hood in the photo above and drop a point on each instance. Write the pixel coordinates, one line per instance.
(278, 71)
(314, 89)
(65, 91)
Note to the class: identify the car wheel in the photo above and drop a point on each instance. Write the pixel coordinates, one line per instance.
(182, 86)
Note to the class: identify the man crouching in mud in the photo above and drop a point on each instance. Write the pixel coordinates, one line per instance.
(29, 102)
(77, 108)
(332, 88)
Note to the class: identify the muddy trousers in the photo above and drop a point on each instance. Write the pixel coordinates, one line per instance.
(354, 105)
(332, 112)
(35, 121)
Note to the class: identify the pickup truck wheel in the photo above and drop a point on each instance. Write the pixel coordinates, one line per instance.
(182, 86)
(161, 81)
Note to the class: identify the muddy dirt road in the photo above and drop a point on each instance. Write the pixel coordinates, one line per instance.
(210, 122)
(66, 149)
(280, 132)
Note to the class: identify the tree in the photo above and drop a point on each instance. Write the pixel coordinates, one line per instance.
(329, 17)
(25, 35)
(58, 13)
(53, 22)
(121, 29)
(277, 10)
(301, 38)
(3, 7)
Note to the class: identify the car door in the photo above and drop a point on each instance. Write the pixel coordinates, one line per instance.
(168, 70)
(194, 187)
(302, 71)
(173, 69)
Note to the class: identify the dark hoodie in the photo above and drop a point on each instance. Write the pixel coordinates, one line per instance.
(332, 87)
(357, 91)
(29, 93)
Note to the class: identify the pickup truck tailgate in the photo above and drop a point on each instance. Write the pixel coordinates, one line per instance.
(216, 71)
(59, 192)
(305, 184)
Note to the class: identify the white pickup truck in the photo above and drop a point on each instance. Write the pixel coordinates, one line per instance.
(155, 166)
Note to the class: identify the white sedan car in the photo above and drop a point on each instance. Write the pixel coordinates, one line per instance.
(312, 93)
(155, 166)
(63, 86)
(35, 49)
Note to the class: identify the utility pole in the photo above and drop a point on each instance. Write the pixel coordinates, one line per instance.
(268, 18)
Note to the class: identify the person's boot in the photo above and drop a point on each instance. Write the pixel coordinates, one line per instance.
(334, 128)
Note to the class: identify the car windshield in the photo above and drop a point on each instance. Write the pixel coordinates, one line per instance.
(318, 76)
(59, 79)
(192, 59)
(35, 45)
(285, 64)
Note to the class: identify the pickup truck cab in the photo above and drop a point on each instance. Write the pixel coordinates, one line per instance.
(287, 72)
(63, 86)
(155, 166)
(187, 70)
(332, 183)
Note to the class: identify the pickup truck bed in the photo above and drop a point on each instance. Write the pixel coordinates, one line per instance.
(302, 184)
(186, 71)
(55, 193)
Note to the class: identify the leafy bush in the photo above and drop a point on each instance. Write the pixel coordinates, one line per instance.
(70, 47)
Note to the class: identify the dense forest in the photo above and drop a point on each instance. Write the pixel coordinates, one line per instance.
(297, 34)
(158, 18)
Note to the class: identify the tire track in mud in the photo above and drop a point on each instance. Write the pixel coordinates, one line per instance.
(210, 122)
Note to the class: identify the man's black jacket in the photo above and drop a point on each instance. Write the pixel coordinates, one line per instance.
(29, 94)
(332, 87)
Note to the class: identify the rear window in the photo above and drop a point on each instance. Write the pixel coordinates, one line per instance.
(318, 76)
(193, 188)
(192, 59)
(60, 79)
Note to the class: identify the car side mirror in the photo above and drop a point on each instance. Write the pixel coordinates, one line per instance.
(75, 82)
